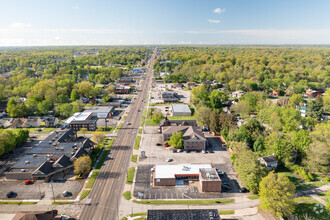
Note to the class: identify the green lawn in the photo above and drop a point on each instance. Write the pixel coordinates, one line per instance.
(17, 203)
(119, 127)
(127, 195)
(302, 198)
(226, 212)
(149, 122)
(138, 214)
(253, 197)
(84, 194)
(47, 130)
(312, 185)
(173, 202)
(313, 209)
(193, 117)
(134, 158)
(140, 131)
(92, 178)
(294, 178)
(130, 175)
(137, 142)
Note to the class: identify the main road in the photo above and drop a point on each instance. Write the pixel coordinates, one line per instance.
(109, 184)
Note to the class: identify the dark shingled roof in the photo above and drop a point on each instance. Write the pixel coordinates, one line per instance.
(63, 161)
(45, 168)
(269, 159)
(186, 214)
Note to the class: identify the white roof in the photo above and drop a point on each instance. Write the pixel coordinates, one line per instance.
(169, 171)
(78, 116)
(180, 108)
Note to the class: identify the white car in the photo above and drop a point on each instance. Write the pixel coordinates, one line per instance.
(169, 159)
(152, 169)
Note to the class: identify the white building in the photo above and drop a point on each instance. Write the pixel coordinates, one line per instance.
(180, 110)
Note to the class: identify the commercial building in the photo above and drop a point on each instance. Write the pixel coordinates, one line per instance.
(90, 125)
(193, 138)
(180, 110)
(122, 89)
(187, 214)
(172, 175)
(53, 155)
(101, 112)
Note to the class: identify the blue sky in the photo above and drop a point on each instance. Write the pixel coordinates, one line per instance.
(127, 22)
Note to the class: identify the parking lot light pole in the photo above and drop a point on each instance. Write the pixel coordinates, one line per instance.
(51, 186)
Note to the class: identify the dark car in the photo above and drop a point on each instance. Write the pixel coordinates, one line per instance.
(244, 190)
(225, 188)
(159, 144)
(10, 194)
(174, 150)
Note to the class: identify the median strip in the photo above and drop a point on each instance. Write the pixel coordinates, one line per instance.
(183, 202)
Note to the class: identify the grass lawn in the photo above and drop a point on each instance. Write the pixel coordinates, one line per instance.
(140, 130)
(302, 198)
(124, 118)
(149, 122)
(119, 126)
(127, 195)
(17, 203)
(130, 175)
(92, 178)
(312, 185)
(134, 158)
(293, 178)
(226, 212)
(137, 142)
(61, 202)
(193, 117)
(138, 214)
(313, 209)
(253, 197)
(188, 202)
(84, 194)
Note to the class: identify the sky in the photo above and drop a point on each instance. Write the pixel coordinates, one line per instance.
(143, 22)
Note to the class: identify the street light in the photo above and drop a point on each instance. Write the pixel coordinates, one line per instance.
(51, 186)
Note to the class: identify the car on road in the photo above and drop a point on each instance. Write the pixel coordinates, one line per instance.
(128, 123)
(159, 144)
(10, 194)
(27, 182)
(169, 160)
(66, 193)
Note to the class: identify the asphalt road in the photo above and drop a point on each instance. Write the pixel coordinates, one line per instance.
(108, 187)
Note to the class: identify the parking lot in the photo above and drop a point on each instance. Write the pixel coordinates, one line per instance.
(216, 155)
(38, 188)
(143, 184)
(155, 95)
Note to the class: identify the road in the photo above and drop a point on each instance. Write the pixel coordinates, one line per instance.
(108, 188)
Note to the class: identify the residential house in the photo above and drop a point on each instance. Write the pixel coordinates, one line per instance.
(191, 84)
(51, 122)
(313, 93)
(269, 161)
(237, 94)
(26, 123)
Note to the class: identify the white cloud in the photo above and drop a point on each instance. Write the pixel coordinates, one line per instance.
(214, 21)
(20, 25)
(219, 10)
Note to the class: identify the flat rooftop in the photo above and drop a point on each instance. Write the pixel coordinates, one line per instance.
(30, 161)
(170, 171)
(78, 116)
(209, 174)
(100, 109)
(180, 108)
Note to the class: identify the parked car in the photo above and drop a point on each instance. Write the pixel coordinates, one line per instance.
(27, 182)
(159, 144)
(179, 150)
(187, 151)
(152, 169)
(220, 172)
(203, 151)
(39, 129)
(174, 150)
(225, 188)
(10, 194)
(66, 193)
(169, 160)
(128, 123)
(243, 190)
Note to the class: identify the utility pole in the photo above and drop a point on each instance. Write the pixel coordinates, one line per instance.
(51, 186)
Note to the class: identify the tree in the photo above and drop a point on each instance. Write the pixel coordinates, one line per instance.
(295, 100)
(98, 137)
(74, 95)
(318, 153)
(157, 116)
(217, 98)
(247, 166)
(315, 109)
(176, 140)
(82, 165)
(84, 88)
(214, 121)
(203, 115)
(16, 108)
(44, 107)
(64, 110)
(242, 108)
(277, 194)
